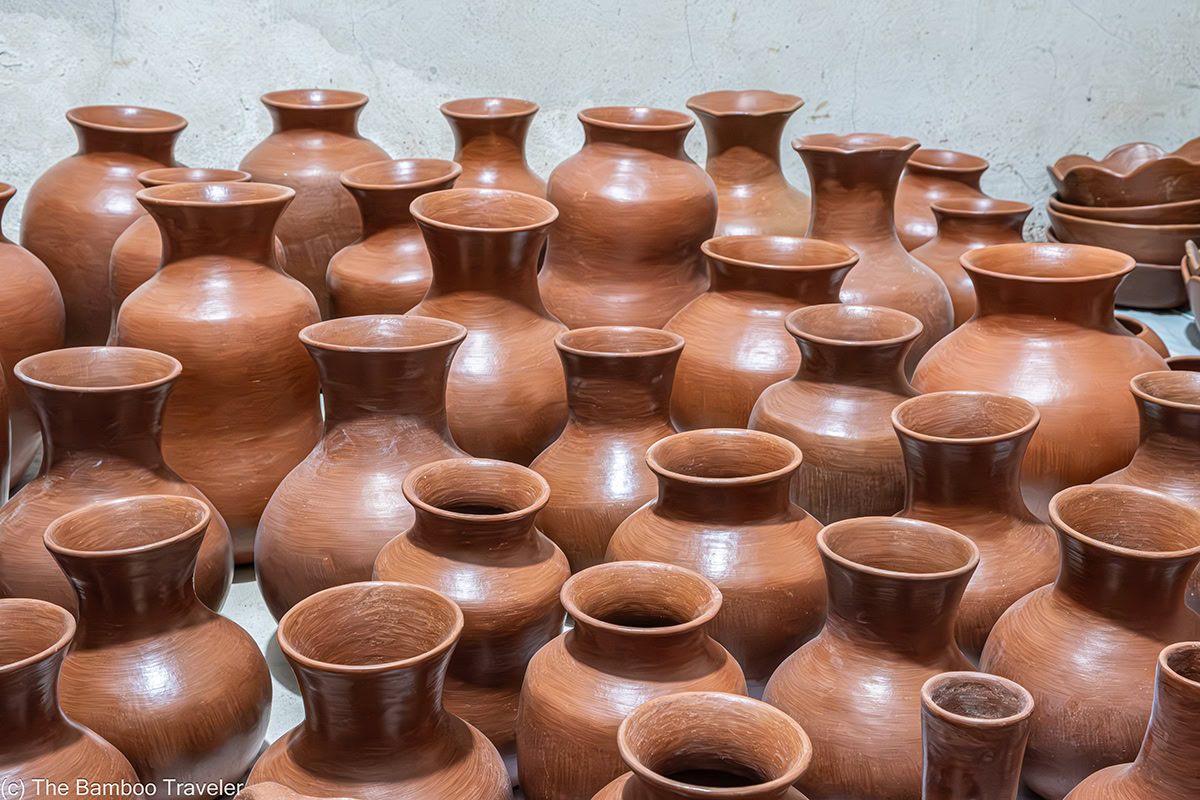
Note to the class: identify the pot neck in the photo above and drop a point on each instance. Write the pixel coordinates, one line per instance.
(158, 146)
(332, 120)
(228, 230)
(491, 140)
(498, 263)
(667, 141)
(1171, 750)
(1087, 303)
(854, 195)
(744, 149)
(1168, 433)
(720, 500)
(812, 286)
(874, 366)
(619, 390)
(473, 538)
(981, 229)
(386, 208)
(642, 650)
(84, 425)
(29, 700)
(410, 385)
(979, 475)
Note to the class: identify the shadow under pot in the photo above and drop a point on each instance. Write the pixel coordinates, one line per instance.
(489, 143)
(934, 176)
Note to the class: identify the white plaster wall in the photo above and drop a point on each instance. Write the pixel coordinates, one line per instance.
(1019, 82)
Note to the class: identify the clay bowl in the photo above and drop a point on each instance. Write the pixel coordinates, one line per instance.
(1149, 286)
(1183, 211)
(1144, 332)
(1137, 174)
(1190, 273)
(1148, 244)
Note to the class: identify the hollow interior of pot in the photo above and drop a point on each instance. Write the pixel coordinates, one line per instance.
(978, 697)
(381, 332)
(401, 173)
(1184, 660)
(1038, 260)
(723, 454)
(1178, 387)
(947, 159)
(216, 193)
(637, 594)
(979, 206)
(97, 367)
(132, 117)
(477, 486)
(853, 324)
(30, 628)
(128, 523)
(314, 98)
(750, 101)
(1130, 518)
(640, 116)
(489, 107)
(484, 208)
(906, 546)
(1184, 363)
(165, 175)
(608, 340)
(778, 251)
(964, 415)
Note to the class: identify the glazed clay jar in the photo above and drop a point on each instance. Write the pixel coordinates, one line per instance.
(737, 342)
(837, 408)
(32, 320)
(387, 270)
(968, 224)
(639, 633)
(854, 185)
(78, 208)
(246, 410)
(618, 395)
(709, 744)
(962, 457)
(506, 397)
(183, 692)
(314, 138)
(893, 592)
(489, 143)
(101, 412)
(1044, 331)
(1086, 646)
(723, 510)
(383, 380)
(474, 539)
(744, 130)
(635, 210)
(933, 176)
(371, 659)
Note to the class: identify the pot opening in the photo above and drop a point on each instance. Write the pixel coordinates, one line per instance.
(978, 696)
(165, 175)
(223, 194)
(127, 118)
(1176, 388)
(604, 340)
(778, 251)
(476, 487)
(97, 369)
(407, 173)
(637, 118)
(493, 107)
(898, 545)
(131, 523)
(750, 102)
(1128, 518)
(483, 209)
(835, 323)
(1048, 262)
(31, 630)
(1184, 660)
(640, 595)
(1184, 363)
(969, 207)
(854, 142)
(964, 416)
(723, 454)
(948, 160)
(382, 332)
(314, 98)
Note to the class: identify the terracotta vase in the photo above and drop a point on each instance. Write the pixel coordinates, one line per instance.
(489, 143)
(933, 176)
(639, 633)
(968, 223)
(723, 511)
(974, 728)
(506, 397)
(101, 411)
(635, 209)
(1165, 766)
(709, 744)
(744, 130)
(247, 409)
(387, 270)
(314, 138)
(1144, 332)
(854, 181)
(618, 394)
(183, 692)
(837, 408)
(383, 380)
(962, 457)
(1044, 331)
(893, 592)
(1085, 647)
(371, 659)
(737, 342)
(474, 539)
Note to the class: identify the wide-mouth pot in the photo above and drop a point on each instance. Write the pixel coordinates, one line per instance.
(97, 370)
(488, 108)
(165, 175)
(483, 210)
(779, 253)
(314, 99)
(744, 103)
(616, 341)
(403, 173)
(382, 333)
(126, 119)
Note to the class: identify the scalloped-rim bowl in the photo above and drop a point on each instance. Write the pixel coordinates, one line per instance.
(1178, 213)
(1148, 244)
(1136, 174)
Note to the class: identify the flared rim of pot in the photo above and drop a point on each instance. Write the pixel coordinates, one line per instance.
(980, 207)
(618, 341)
(636, 118)
(948, 162)
(7, 190)
(604, 577)
(488, 108)
(437, 487)
(931, 417)
(1174, 388)
(736, 457)
(216, 194)
(949, 555)
(314, 99)
(18, 611)
(162, 176)
(95, 370)
(1047, 263)
(1182, 662)
(779, 253)
(1099, 514)
(714, 709)
(744, 103)
(977, 699)
(479, 209)
(382, 333)
(1186, 363)
(126, 119)
(400, 173)
(394, 600)
(839, 323)
(854, 143)
(142, 523)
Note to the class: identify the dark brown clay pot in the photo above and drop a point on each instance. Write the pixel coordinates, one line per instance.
(737, 342)
(194, 686)
(32, 320)
(314, 139)
(1144, 332)
(247, 409)
(635, 210)
(1165, 767)
(974, 728)
(894, 586)
(473, 539)
(1044, 331)
(489, 143)
(723, 511)
(370, 659)
(387, 270)
(618, 393)
(933, 176)
(837, 408)
(854, 181)
(962, 458)
(709, 744)
(744, 130)
(506, 397)
(383, 379)
(1086, 646)
(639, 634)
(101, 411)
(968, 223)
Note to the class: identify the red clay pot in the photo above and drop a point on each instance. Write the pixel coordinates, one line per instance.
(1144, 332)
(933, 176)
(489, 143)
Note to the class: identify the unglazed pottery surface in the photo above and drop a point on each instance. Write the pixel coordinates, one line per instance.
(933, 176)
(1181, 211)
(1147, 244)
(1130, 175)
(489, 143)
(1144, 332)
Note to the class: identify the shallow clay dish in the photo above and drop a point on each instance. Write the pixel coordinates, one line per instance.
(1131, 175)
(1150, 244)
(1154, 214)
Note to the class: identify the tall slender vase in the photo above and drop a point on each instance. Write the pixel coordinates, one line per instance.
(933, 176)
(489, 143)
